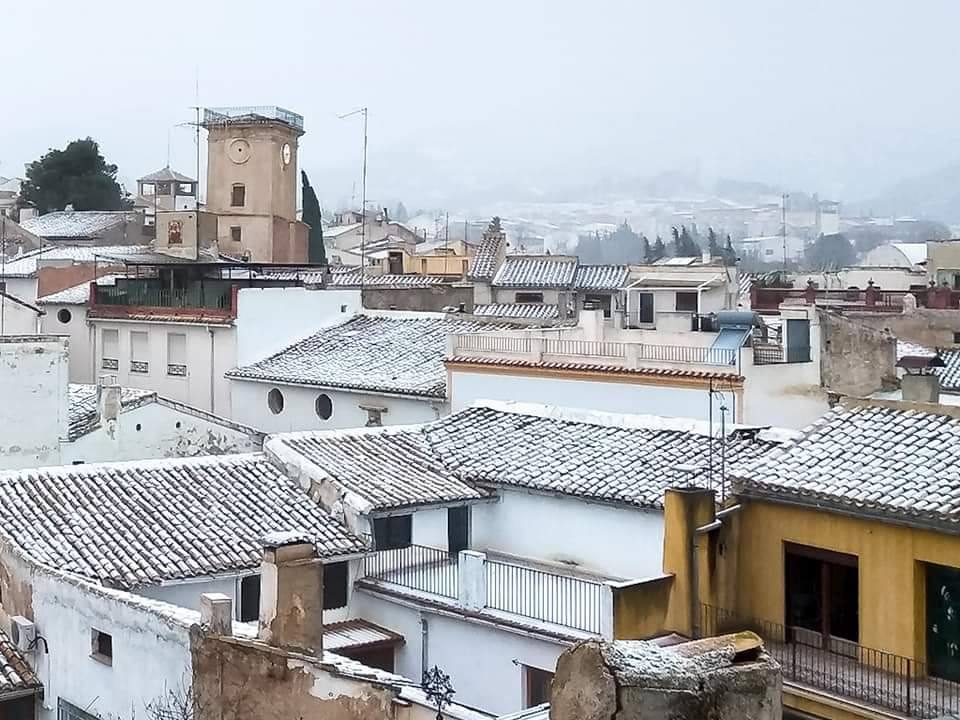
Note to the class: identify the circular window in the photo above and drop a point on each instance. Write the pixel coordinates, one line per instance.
(64, 315)
(323, 406)
(275, 401)
(139, 427)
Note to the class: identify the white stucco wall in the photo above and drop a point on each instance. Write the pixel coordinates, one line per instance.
(467, 387)
(23, 288)
(151, 654)
(156, 430)
(605, 539)
(80, 333)
(249, 400)
(33, 400)
(270, 319)
(484, 661)
(187, 593)
(17, 319)
(210, 352)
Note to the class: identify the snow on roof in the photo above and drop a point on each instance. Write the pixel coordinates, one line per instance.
(949, 374)
(357, 634)
(166, 175)
(601, 277)
(77, 224)
(916, 253)
(889, 463)
(354, 278)
(483, 266)
(27, 264)
(16, 675)
(534, 311)
(130, 524)
(338, 230)
(379, 354)
(537, 271)
(909, 349)
(78, 294)
(386, 468)
(83, 413)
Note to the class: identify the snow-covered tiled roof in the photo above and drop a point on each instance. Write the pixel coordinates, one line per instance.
(950, 373)
(26, 265)
(629, 459)
(77, 224)
(537, 271)
(79, 294)
(535, 311)
(909, 349)
(354, 279)
(483, 266)
(338, 230)
(83, 413)
(16, 675)
(601, 277)
(355, 634)
(387, 468)
(596, 367)
(166, 175)
(878, 461)
(400, 355)
(130, 524)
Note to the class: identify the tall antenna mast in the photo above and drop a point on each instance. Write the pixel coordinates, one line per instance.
(363, 196)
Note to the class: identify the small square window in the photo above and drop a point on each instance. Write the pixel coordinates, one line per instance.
(238, 195)
(101, 647)
(956, 338)
(392, 533)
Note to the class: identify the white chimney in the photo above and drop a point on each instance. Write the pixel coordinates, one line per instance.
(216, 613)
(108, 403)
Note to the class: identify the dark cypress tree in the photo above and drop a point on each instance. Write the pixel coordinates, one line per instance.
(647, 250)
(729, 254)
(713, 244)
(675, 249)
(316, 252)
(659, 249)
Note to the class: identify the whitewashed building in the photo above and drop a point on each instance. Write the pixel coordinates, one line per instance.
(379, 368)
(505, 528)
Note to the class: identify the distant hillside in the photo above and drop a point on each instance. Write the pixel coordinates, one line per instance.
(933, 196)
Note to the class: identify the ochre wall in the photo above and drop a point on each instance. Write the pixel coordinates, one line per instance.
(890, 557)
(640, 610)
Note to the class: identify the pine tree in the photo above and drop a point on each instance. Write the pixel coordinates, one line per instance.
(647, 250)
(675, 248)
(659, 250)
(713, 245)
(687, 245)
(729, 254)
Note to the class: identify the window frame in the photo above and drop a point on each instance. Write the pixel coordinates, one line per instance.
(530, 298)
(393, 532)
(686, 295)
(243, 612)
(534, 679)
(236, 233)
(101, 646)
(238, 192)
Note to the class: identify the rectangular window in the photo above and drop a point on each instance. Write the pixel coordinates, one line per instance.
(177, 354)
(110, 349)
(529, 297)
(686, 302)
(536, 686)
(185, 189)
(822, 594)
(595, 302)
(236, 233)
(643, 308)
(238, 195)
(249, 598)
(335, 580)
(943, 630)
(163, 188)
(101, 646)
(458, 529)
(139, 352)
(69, 711)
(798, 341)
(391, 533)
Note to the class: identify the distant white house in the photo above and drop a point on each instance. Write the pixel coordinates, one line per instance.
(772, 249)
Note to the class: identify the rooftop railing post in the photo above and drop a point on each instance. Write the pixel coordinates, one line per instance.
(606, 611)
(473, 579)
(536, 348)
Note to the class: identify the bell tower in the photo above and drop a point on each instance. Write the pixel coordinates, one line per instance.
(252, 182)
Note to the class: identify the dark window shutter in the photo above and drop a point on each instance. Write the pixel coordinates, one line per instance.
(335, 578)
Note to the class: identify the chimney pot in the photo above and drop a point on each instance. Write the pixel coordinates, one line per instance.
(216, 613)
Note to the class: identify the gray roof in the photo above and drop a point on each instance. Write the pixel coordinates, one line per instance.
(877, 461)
(615, 458)
(386, 467)
(399, 355)
(537, 271)
(166, 175)
(536, 311)
(79, 294)
(601, 277)
(78, 224)
(354, 279)
(26, 265)
(624, 459)
(950, 373)
(83, 413)
(138, 523)
(483, 266)
(16, 675)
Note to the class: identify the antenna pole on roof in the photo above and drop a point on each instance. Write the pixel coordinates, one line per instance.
(783, 226)
(363, 197)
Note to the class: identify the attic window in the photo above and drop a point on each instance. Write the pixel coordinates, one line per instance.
(101, 646)
(275, 401)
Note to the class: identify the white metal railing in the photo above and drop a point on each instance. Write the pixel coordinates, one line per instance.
(593, 348)
(494, 343)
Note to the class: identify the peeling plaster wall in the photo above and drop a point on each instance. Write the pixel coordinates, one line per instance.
(152, 431)
(33, 400)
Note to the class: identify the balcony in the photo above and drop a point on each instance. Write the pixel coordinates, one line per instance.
(539, 349)
(497, 588)
(210, 298)
(863, 675)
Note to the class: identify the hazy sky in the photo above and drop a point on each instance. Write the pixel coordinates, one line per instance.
(841, 97)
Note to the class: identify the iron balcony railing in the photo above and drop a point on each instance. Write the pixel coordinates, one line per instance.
(556, 599)
(138, 296)
(767, 354)
(843, 668)
(418, 567)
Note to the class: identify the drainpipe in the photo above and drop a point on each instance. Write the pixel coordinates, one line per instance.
(213, 357)
(424, 645)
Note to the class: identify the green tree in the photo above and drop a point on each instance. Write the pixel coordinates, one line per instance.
(647, 250)
(675, 249)
(316, 252)
(687, 245)
(659, 249)
(729, 254)
(831, 252)
(713, 244)
(76, 176)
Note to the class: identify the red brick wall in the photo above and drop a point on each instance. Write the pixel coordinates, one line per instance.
(54, 279)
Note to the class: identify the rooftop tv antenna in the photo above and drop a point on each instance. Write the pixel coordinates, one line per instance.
(363, 194)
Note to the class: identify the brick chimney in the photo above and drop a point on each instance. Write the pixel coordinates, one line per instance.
(291, 592)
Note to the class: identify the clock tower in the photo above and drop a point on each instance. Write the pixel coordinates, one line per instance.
(252, 182)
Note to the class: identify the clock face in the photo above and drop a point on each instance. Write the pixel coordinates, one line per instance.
(239, 151)
(286, 153)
